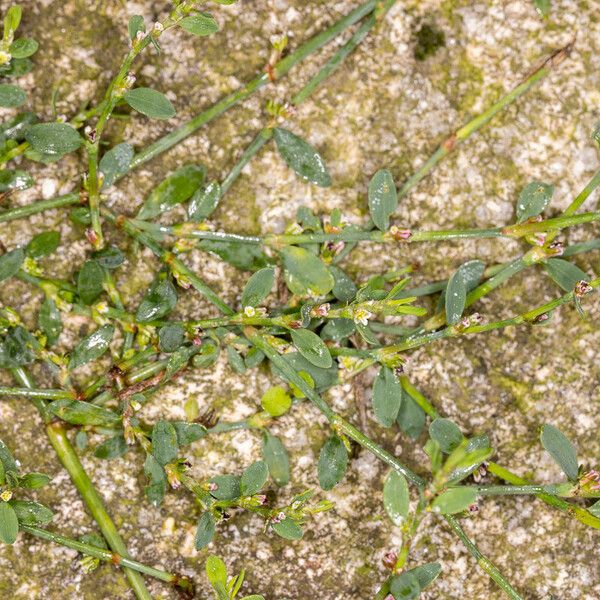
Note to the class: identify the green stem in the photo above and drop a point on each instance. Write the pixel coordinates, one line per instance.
(43, 394)
(560, 490)
(556, 224)
(40, 206)
(457, 138)
(110, 557)
(61, 444)
(485, 563)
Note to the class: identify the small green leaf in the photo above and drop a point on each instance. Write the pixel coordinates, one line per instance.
(595, 509)
(11, 262)
(446, 434)
(456, 297)
(175, 189)
(305, 274)
(90, 282)
(188, 432)
(288, 529)
(311, 346)
(11, 95)
(205, 531)
(533, 199)
(426, 573)
(411, 417)
(34, 481)
(23, 48)
(136, 24)
(276, 457)
(43, 244)
(396, 498)
(109, 258)
(178, 360)
(405, 586)
(171, 337)
(228, 487)
(78, 412)
(113, 447)
(164, 442)
(276, 401)
(333, 462)
(387, 397)
(242, 256)
(383, 199)
(115, 163)
(92, 347)
(157, 488)
(12, 19)
(204, 201)
(454, 500)
(235, 360)
(258, 287)
(31, 513)
(344, 289)
(149, 102)
(564, 273)
(561, 450)
(254, 478)
(9, 524)
(7, 460)
(302, 157)
(54, 139)
(216, 571)
(200, 24)
(12, 180)
(16, 349)
(49, 321)
(158, 302)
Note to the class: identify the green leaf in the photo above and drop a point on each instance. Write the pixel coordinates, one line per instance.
(164, 442)
(242, 256)
(90, 282)
(533, 199)
(320, 379)
(7, 460)
(23, 48)
(78, 412)
(173, 190)
(12, 180)
(11, 262)
(16, 349)
(405, 586)
(43, 244)
(288, 529)
(216, 571)
(136, 23)
(49, 321)
(109, 258)
(302, 157)
(34, 481)
(305, 274)
(333, 462)
(204, 201)
(426, 573)
(311, 346)
(188, 432)
(31, 513)
(149, 102)
(564, 273)
(595, 509)
(11, 95)
(228, 487)
(54, 139)
(178, 359)
(446, 434)
(115, 163)
(396, 498)
(157, 488)
(113, 447)
(477, 449)
(456, 297)
(258, 287)
(276, 457)
(17, 68)
(171, 337)
(344, 289)
(9, 524)
(383, 199)
(276, 401)
(158, 302)
(205, 531)
(200, 24)
(14, 129)
(338, 329)
(235, 360)
(92, 347)
(411, 417)
(561, 450)
(387, 397)
(12, 20)
(454, 500)
(254, 478)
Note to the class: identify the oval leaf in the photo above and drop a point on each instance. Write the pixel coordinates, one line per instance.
(456, 297)
(90, 282)
(205, 531)
(115, 163)
(383, 199)
(405, 587)
(200, 24)
(14, 179)
(254, 478)
(11, 262)
(159, 301)
(258, 287)
(311, 346)
(387, 397)
(54, 139)
(31, 513)
(92, 347)
(204, 201)
(43, 244)
(9, 524)
(305, 274)
(454, 500)
(78, 412)
(276, 401)
(560, 448)
(565, 274)
(333, 461)
(302, 157)
(164, 442)
(276, 457)
(149, 102)
(446, 433)
(11, 95)
(396, 498)
(288, 529)
(533, 199)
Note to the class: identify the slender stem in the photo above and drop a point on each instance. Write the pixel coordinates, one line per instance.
(556, 224)
(61, 444)
(560, 490)
(107, 556)
(43, 394)
(479, 121)
(485, 563)
(38, 206)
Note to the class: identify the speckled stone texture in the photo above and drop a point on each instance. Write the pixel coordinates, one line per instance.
(381, 109)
